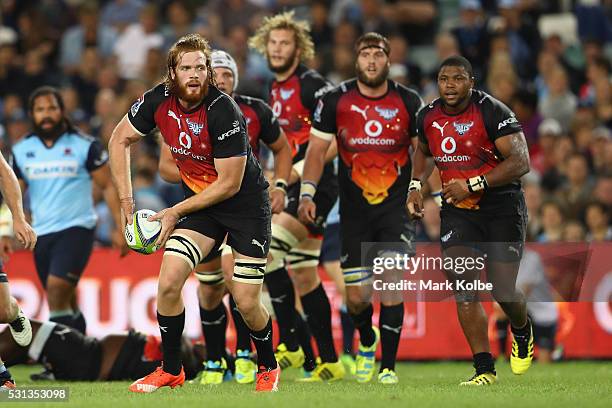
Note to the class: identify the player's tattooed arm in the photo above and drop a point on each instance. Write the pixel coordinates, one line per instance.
(516, 160)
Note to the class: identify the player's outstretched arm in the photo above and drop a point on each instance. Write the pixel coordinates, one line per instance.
(167, 166)
(282, 171)
(102, 177)
(11, 191)
(122, 138)
(313, 168)
(516, 160)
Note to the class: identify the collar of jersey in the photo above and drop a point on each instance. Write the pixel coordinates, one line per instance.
(296, 71)
(54, 142)
(377, 97)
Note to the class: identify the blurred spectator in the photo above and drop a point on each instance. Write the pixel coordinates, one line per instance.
(552, 222)
(154, 67)
(600, 150)
(555, 46)
(542, 157)
(372, 18)
(180, 22)
(502, 80)
(525, 106)
(577, 189)
(553, 179)
(574, 231)
(89, 32)
(471, 34)
(603, 190)
(416, 19)
(533, 201)
(320, 30)
(592, 20)
(399, 56)
(84, 80)
(121, 13)
(523, 37)
(135, 42)
(35, 35)
(344, 65)
(559, 103)
(233, 13)
(597, 219)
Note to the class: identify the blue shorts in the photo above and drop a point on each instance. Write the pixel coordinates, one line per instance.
(330, 249)
(63, 254)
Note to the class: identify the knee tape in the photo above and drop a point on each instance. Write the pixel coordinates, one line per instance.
(226, 250)
(185, 248)
(249, 271)
(282, 242)
(357, 276)
(210, 278)
(303, 258)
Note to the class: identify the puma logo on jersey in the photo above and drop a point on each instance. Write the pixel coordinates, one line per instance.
(286, 93)
(164, 329)
(173, 116)
(440, 128)
(259, 244)
(363, 112)
(514, 249)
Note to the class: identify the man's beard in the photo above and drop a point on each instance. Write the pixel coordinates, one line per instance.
(286, 66)
(377, 81)
(181, 91)
(51, 133)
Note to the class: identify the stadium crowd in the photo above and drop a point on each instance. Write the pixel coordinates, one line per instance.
(548, 60)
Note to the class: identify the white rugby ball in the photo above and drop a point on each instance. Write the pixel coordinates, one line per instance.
(142, 234)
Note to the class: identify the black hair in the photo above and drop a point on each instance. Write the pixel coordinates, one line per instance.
(43, 91)
(458, 61)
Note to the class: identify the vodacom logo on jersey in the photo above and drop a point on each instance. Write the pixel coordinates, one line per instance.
(448, 146)
(372, 128)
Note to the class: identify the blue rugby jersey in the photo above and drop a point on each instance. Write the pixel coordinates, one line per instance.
(59, 180)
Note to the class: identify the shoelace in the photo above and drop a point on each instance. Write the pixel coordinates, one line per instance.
(17, 324)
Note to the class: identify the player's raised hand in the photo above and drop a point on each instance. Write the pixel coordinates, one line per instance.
(277, 200)
(414, 204)
(307, 210)
(24, 233)
(455, 191)
(168, 218)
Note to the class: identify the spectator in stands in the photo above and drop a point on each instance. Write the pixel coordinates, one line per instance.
(574, 231)
(577, 189)
(180, 22)
(145, 194)
(552, 221)
(597, 219)
(471, 35)
(558, 103)
(119, 14)
(400, 56)
(89, 32)
(533, 200)
(603, 190)
(542, 157)
(600, 146)
(525, 106)
(320, 30)
(134, 43)
(84, 80)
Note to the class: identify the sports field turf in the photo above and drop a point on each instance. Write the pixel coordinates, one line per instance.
(571, 384)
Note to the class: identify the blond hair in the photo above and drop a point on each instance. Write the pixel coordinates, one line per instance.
(185, 44)
(284, 21)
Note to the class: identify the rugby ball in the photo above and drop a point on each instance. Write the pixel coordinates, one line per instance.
(142, 234)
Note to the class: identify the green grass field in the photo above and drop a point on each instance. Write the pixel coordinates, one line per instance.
(572, 384)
